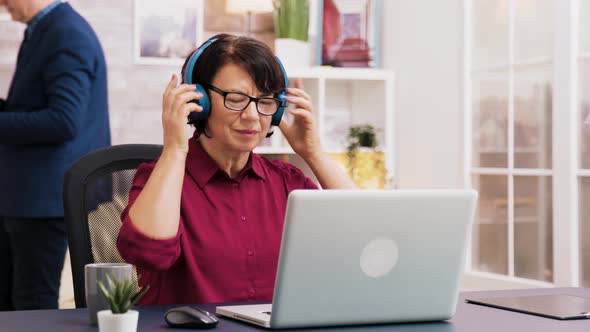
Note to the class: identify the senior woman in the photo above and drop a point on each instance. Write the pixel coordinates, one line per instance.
(204, 221)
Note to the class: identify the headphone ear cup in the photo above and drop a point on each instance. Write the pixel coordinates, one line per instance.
(205, 103)
(276, 118)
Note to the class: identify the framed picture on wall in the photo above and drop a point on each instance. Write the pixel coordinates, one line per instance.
(349, 33)
(4, 15)
(165, 32)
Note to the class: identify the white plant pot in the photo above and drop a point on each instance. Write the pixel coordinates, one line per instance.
(109, 322)
(293, 53)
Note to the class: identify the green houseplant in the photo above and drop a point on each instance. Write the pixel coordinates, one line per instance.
(291, 18)
(122, 295)
(366, 164)
(291, 23)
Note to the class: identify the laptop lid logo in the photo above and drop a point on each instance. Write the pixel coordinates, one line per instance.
(379, 257)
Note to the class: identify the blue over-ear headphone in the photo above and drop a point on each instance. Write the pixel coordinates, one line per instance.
(206, 103)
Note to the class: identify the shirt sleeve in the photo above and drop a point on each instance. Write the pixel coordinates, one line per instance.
(294, 177)
(67, 76)
(137, 248)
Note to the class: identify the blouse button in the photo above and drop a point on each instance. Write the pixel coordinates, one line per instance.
(250, 252)
(243, 218)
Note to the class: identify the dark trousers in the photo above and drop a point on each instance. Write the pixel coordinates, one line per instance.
(32, 253)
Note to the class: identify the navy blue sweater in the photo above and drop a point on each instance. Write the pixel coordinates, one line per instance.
(56, 111)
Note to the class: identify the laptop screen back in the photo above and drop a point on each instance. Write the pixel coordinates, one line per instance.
(361, 256)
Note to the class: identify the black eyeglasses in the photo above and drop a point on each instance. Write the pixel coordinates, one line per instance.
(237, 101)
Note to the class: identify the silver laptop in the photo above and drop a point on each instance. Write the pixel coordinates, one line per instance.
(367, 256)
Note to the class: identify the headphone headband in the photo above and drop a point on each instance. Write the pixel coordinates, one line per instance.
(188, 71)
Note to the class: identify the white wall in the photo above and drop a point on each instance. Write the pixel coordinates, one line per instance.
(423, 44)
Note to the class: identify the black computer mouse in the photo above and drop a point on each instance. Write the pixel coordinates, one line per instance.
(190, 317)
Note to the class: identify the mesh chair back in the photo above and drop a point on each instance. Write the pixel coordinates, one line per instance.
(96, 190)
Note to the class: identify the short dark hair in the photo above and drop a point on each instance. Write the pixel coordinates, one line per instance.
(255, 57)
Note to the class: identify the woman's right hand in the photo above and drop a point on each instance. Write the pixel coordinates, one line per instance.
(176, 107)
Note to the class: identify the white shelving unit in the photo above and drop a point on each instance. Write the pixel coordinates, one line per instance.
(343, 97)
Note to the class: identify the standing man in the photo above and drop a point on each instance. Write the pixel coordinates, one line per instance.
(55, 112)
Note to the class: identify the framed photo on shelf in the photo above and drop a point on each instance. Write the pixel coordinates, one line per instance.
(165, 32)
(349, 33)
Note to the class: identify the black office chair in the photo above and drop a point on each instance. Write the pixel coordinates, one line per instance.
(96, 190)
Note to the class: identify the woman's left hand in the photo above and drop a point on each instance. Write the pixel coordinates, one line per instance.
(302, 132)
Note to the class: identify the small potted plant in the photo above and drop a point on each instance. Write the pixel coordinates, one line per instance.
(121, 295)
(363, 137)
(291, 23)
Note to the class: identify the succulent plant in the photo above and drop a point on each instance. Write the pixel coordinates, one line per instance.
(121, 294)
